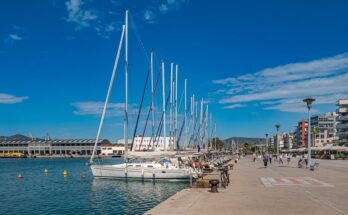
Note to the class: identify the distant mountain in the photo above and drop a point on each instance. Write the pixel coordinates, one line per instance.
(242, 140)
(17, 137)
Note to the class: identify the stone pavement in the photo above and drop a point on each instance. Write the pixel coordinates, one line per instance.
(277, 189)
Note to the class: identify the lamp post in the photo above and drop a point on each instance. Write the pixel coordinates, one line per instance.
(277, 127)
(266, 144)
(309, 102)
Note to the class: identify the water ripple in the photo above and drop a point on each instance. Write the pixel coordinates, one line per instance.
(38, 193)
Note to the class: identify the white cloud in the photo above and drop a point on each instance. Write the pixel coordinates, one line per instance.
(96, 108)
(233, 106)
(15, 37)
(83, 15)
(12, 38)
(162, 7)
(76, 14)
(324, 79)
(149, 16)
(11, 99)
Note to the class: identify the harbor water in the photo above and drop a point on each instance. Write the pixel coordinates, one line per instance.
(52, 192)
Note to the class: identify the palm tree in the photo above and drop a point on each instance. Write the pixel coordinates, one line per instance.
(315, 132)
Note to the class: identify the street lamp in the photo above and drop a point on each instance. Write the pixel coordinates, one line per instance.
(266, 144)
(277, 127)
(309, 102)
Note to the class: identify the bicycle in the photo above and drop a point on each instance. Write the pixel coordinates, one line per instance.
(224, 177)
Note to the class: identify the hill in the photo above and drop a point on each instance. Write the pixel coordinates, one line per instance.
(240, 141)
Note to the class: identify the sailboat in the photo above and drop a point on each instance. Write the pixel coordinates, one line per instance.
(160, 168)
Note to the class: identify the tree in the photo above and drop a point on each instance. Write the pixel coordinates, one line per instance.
(219, 144)
(315, 133)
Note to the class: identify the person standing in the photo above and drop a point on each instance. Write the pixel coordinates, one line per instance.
(254, 156)
(270, 158)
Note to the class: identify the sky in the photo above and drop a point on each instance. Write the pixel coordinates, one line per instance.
(251, 61)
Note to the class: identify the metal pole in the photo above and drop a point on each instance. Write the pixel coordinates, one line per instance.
(309, 138)
(152, 102)
(215, 136)
(267, 147)
(171, 105)
(164, 108)
(126, 91)
(185, 110)
(108, 94)
(176, 104)
(277, 142)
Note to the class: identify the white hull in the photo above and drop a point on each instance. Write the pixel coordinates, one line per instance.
(141, 172)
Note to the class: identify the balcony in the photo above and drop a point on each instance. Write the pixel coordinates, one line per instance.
(342, 126)
(343, 118)
(342, 134)
(342, 110)
(342, 102)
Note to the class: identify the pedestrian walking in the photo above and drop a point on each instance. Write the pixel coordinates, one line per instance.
(254, 156)
(265, 160)
(280, 160)
(270, 159)
(288, 158)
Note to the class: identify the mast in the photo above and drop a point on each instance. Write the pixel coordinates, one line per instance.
(201, 122)
(108, 95)
(206, 131)
(209, 129)
(185, 110)
(171, 135)
(126, 91)
(164, 108)
(176, 104)
(196, 122)
(215, 135)
(152, 98)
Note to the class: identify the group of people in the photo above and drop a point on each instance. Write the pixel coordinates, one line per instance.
(268, 158)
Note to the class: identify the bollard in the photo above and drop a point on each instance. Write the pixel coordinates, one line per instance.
(214, 183)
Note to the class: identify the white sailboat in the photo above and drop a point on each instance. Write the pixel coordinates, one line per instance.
(170, 168)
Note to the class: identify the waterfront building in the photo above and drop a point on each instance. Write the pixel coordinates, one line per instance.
(301, 134)
(342, 126)
(50, 147)
(323, 129)
(113, 149)
(281, 141)
(288, 140)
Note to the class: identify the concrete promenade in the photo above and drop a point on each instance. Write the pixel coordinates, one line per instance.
(277, 189)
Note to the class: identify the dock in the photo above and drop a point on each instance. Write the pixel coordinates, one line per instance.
(277, 189)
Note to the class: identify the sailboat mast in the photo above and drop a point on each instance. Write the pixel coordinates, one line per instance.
(126, 90)
(176, 105)
(201, 122)
(164, 108)
(209, 129)
(215, 135)
(171, 140)
(152, 98)
(206, 131)
(108, 95)
(185, 110)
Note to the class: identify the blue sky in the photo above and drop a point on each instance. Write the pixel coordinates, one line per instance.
(253, 61)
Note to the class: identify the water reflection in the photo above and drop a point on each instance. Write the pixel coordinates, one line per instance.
(132, 197)
(38, 193)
